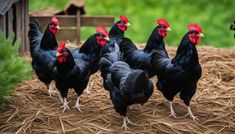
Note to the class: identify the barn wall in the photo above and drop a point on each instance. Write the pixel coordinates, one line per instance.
(22, 22)
(16, 20)
(3, 24)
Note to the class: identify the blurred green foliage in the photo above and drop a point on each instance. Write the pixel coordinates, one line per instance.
(13, 68)
(214, 16)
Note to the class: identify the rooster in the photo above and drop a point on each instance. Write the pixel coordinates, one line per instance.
(180, 74)
(140, 59)
(125, 85)
(116, 32)
(43, 50)
(71, 72)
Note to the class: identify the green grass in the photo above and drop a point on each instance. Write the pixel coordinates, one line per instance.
(214, 16)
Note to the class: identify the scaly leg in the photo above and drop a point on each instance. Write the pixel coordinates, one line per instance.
(77, 105)
(65, 105)
(190, 114)
(125, 122)
(87, 88)
(61, 99)
(172, 111)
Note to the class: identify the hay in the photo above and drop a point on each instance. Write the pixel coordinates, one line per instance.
(33, 111)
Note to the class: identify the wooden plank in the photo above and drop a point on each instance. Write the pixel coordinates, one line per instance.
(97, 21)
(65, 21)
(22, 46)
(67, 34)
(1, 23)
(18, 20)
(71, 20)
(10, 21)
(78, 27)
(4, 27)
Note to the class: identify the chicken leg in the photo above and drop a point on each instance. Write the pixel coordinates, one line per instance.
(51, 91)
(125, 122)
(65, 105)
(77, 105)
(87, 88)
(172, 111)
(190, 114)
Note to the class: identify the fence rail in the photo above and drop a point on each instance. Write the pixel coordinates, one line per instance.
(76, 21)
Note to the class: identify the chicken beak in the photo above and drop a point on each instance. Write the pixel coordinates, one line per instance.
(58, 54)
(107, 38)
(128, 24)
(57, 27)
(201, 35)
(168, 29)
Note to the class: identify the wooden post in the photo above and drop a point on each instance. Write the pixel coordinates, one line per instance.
(19, 22)
(10, 21)
(78, 27)
(21, 10)
(26, 26)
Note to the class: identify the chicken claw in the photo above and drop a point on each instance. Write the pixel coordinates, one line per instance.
(77, 105)
(190, 114)
(125, 122)
(172, 111)
(65, 105)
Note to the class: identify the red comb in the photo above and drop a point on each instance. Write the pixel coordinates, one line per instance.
(163, 22)
(124, 18)
(55, 21)
(195, 27)
(102, 30)
(62, 45)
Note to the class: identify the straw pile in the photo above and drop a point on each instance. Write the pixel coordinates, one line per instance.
(33, 111)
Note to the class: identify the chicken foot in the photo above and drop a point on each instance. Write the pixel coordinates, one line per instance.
(77, 105)
(172, 113)
(190, 114)
(125, 122)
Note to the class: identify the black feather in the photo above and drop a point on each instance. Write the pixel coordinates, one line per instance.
(180, 74)
(43, 58)
(125, 85)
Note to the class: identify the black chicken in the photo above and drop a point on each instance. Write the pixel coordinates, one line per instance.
(180, 74)
(125, 85)
(116, 33)
(70, 72)
(140, 59)
(232, 27)
(43, 50)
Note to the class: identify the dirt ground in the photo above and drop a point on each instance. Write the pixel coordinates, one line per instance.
(33, 111)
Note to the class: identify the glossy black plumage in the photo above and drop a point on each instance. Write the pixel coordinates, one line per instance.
(73, 73)
(90, 52)
(180, 74)
(43, 51)
(115, 34)
(125, 85)
(140, 59)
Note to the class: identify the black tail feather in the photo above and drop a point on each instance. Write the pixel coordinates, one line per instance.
(34, 34)
(138, 87)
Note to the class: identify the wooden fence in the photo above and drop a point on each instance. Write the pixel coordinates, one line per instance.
(71, 24)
